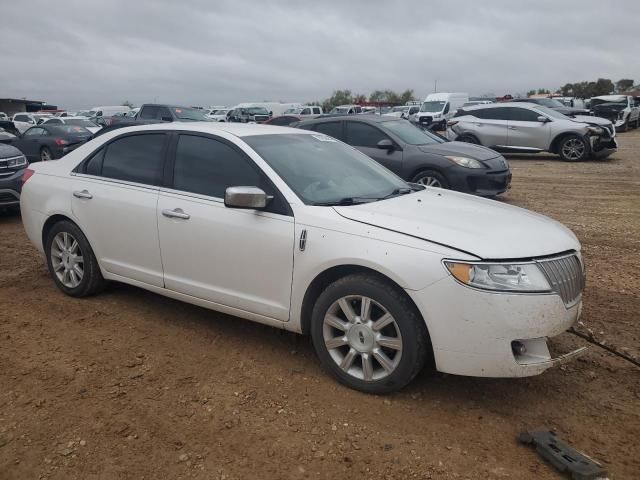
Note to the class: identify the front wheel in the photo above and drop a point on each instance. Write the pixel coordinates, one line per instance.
(430, 178)
(573, 149)
(368, 334)
(71, 261)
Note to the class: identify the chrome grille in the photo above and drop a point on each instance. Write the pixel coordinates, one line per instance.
(566, 276)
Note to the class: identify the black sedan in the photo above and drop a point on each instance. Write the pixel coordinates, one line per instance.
(418, 155)
(12, 166)
(48, 142)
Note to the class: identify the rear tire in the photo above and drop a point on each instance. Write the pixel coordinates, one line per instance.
(71, 261)
(431, 178)
(573, 148)
(45, 154)
(381, 345)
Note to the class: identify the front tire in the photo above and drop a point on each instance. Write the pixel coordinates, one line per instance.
(71, 261)
(573, 148)
(468, 139)
(430, 178)
(368, 334)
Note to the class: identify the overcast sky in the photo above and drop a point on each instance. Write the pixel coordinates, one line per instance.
(80, 53)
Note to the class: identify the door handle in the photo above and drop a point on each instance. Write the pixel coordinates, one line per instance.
(512, 128)
(83, 194)
(176, 213)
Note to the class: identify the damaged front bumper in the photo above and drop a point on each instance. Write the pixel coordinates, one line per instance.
(602, 147)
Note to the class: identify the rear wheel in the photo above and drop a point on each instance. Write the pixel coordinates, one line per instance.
(368, 334)
(573, 149)
(430, 178)
(45, 154)
(71, 261)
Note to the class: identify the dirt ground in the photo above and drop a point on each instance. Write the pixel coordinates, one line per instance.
(129, 384)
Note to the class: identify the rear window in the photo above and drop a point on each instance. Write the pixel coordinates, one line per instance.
(135, 158)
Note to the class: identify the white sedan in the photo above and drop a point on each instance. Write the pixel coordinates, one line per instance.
(297, 230)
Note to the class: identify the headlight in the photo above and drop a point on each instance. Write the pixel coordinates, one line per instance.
(525, 277)
(465, 162)
(595, 130)
(20, 161)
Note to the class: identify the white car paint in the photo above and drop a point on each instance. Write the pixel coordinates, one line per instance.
(448, 104)
(248, 262)
(23, 121)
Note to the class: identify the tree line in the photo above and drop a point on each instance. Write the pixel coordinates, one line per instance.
(587, 89)
(347, 97)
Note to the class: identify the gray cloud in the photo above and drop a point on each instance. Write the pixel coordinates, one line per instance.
(79, 54)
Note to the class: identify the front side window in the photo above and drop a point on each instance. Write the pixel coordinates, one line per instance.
(523, 115)
(135, 158)
(322, 170)
(208, 167)
(363, 135)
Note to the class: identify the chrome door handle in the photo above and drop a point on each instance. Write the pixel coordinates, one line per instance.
(83, 194)
(512, 128)
(176, 213)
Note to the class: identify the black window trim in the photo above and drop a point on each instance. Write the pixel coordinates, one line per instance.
(343, 133)
(170, 166)
(81, 167)
(391, 137)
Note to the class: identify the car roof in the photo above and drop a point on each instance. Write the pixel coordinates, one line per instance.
(611, 97)
(236, 129)
(471, 108)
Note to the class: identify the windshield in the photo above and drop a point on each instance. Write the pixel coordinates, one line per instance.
(221, 112)
(549, 102)
(257, 111)
(551, 112)
(321, 170)
(432, 106)
(81, 122)
(411, 134)
(189, 114)
(600, 101)
(341, 110)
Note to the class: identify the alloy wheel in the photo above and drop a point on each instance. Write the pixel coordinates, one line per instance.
(573, 149)
(429, 182)
(67, 260)
(362, 338)
(45, 155)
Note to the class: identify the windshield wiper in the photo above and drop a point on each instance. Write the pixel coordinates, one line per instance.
(360, 200)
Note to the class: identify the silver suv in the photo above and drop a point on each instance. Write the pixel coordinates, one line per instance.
(530, 128)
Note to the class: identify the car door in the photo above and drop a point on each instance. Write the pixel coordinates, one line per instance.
(526, 131)
(489, 125)
(115, 197)
(30, 143)
(365, 137)
(241, 259)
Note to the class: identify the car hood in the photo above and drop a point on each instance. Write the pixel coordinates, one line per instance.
(487, 229)
(570, 111)
(7, 151)
(597, 121)
(460, 149)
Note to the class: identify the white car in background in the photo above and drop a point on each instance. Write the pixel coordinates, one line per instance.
(297, 230)
(621, 110)
(404, 111)
(24, 121)
(77, 121)
(220, 115)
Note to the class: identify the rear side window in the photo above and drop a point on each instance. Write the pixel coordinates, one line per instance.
(208, 167)
(363, 135)
(149, 112)
(332, 129)
(316, 110)
(500, 113)
(135, 158)
(523, 115)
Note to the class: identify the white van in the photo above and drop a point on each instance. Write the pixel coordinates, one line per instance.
(439, 107)
(109, 111)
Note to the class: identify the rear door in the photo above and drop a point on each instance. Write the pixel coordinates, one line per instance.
(489, 125)
(365, 137)
(114, 200)
(526, 131)
(30, 143)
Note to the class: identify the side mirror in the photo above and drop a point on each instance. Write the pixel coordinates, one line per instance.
(167, 119)
(245, 197)
(385, 144)
(543, 119)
